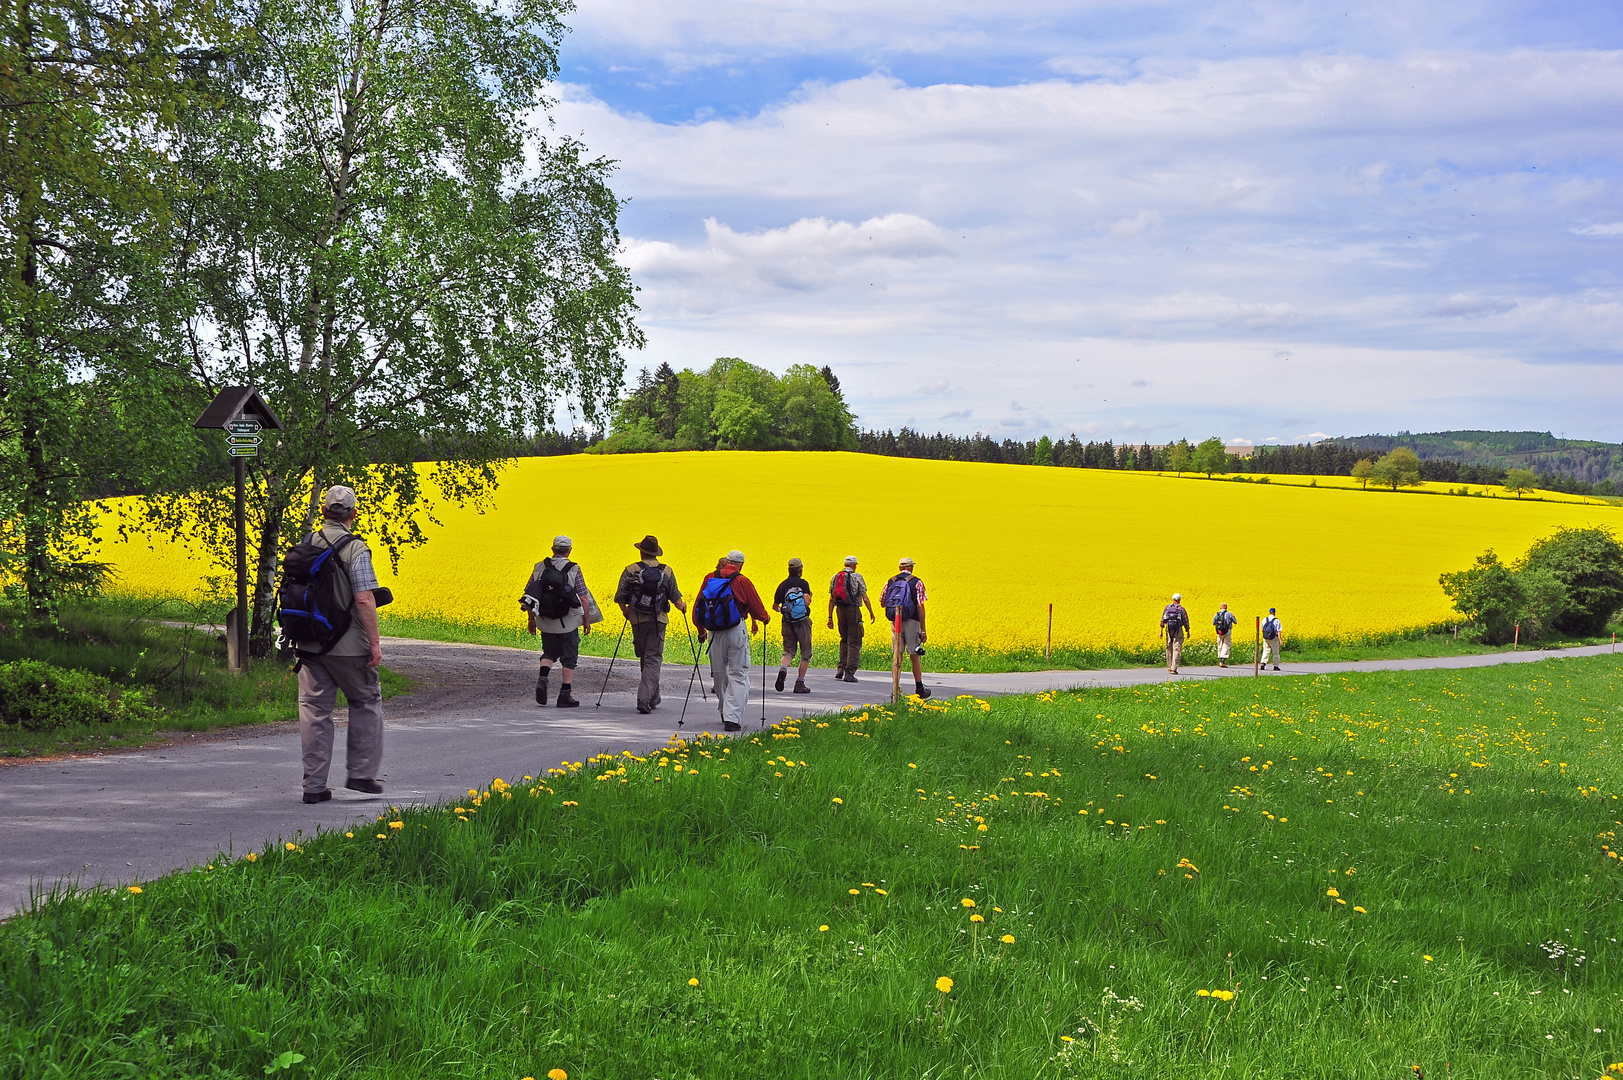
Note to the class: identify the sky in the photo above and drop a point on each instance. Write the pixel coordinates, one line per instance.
(1265, 221)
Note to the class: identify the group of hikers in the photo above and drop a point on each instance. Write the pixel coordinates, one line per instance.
(727, 610)
(1175, 625)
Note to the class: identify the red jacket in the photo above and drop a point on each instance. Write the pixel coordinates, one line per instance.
(748, 598)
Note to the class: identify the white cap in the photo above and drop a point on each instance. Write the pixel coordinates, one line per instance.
(562, 543)
(1177, 596)
(736, 556)
(850, 560)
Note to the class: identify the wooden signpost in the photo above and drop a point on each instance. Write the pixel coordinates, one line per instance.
(242, 414)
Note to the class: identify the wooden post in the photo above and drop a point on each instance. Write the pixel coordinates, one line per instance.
(1516, 644)
(1256, 650)
(1048, 649)
(242, 568)
(896, 661)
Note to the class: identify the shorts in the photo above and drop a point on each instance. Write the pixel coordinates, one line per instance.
(797, 632)
(909, 636)
(564, 648)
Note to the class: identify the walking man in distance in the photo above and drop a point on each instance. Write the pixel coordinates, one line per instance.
(792, 600)
(726, 598)
(847, 593)
(646, 592)
(562, 609)
(904, 599)
(349, 663)
(1174, 623)
(1224, 622)
(1272, 639)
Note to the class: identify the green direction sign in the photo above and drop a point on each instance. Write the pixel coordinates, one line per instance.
(243, 451)
(243, 427)
(242, 440)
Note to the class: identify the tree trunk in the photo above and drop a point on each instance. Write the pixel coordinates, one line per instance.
(261, 630)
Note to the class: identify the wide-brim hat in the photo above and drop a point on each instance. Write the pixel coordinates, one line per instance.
(648, 546)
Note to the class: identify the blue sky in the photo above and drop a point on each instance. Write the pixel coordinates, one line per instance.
(1263, 221)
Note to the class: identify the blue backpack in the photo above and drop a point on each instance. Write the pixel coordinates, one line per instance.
(901, 592)
(716, 608)
(795, 604)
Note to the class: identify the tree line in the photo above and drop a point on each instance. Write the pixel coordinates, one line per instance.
(732, 405)
(356, 207)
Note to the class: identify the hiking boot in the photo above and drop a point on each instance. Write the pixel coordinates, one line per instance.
(839, 673)
(921, 690)
(801, 687)
(566, 699)
(644, 708)
(850, 677)
(783, 673)
(371, 787)
(728, 725)
(1276, 667)
(541, 687)
(317, 796)
(1222, 663)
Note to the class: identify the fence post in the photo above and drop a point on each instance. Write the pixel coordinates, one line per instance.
(1256, 650)
(1048, 649)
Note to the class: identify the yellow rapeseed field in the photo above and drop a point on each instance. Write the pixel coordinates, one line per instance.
(995, 544)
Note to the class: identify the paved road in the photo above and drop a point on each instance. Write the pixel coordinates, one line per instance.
(118, 817)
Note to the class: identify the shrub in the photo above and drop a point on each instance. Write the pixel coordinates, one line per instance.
(1489, 596)
(37, 696)
(1589, 563)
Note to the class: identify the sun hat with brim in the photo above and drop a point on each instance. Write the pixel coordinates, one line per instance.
(648, 546)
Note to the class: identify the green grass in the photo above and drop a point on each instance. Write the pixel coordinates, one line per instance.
(948, 656)
(560, 924)
(183, 667)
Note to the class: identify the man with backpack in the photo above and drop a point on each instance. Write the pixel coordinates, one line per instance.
(562, 609)
(725, 599)
(792, 600)
(1174, 623)
(904, 599)
(1224, 622)
(1273, 638)
(328, 610)
(847, 592)
(646, 593)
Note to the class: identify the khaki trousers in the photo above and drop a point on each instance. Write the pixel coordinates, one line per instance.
(848, 618)
(320, 680)
(1174, 651)
(648, 642)
(1225, 642)
(1270, 648)
(730, 671)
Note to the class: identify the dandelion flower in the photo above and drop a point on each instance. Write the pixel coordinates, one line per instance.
(1360, 911)
(1066, 1039)
(251, 857)
(1332, 893)
(967, 902)
(823, 929)
(839, 801)
(350, 835)
(944, 985)
(291, 846)
(1007, 939)
(557, 1074)
(1426, 958)
(881, 892)
(854, 892)
(1223, 995)
(1203, 993)
(135, 890)
(693, 982)
(977, 918)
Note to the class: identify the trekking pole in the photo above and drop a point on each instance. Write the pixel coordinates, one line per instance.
(694, 649)
(681, 719)
(606, 674)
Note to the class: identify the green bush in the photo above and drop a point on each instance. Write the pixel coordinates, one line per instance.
(1589, 563)
(37, 696)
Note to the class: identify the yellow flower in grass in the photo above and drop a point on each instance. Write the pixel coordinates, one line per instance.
(557, 1074)
(823, 929)
(350, 835)
(693, 982)
(967, 902)
(854, 892)
(1223, 995)
(135, 890)
(977, 918)
(839, 801)
(251, 857)
(1203, 993)
(1007, 939)
(944, 985)
(1332, 893)
(397, 824)
(1360, 911)
(291, 846)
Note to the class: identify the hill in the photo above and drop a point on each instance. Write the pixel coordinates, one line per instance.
(1583, 460)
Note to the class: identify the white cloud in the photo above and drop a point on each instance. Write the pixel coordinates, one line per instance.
(1463, 306)
(1609, 231)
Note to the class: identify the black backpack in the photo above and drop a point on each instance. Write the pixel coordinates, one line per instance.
(647, 592)
(308, 605)
(555, 595)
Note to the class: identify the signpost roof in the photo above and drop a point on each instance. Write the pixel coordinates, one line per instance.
(236, 402)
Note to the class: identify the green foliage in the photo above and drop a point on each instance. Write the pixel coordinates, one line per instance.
(1363, 469)
(1180, 457)
(1043, 452)
(1520, 480)
(732, 405)
(1399, 468)
(561, 930)
(1588, 563)
(1490, 596)
(1210, 457)
(37, 696)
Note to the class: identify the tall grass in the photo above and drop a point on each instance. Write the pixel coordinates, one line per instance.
(783, 904)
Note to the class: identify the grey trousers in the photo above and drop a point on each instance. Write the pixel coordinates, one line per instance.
(1271, 647)
(849, 619)
(319, 682)
(730, 671)
(648, 642)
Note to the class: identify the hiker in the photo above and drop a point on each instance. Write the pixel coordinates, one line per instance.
(349, 664)
(646, 593)
(847, 593)
(1174, 623)
(725, 599)
(1273, 638)
(1224, 622)
(562, 609)
(792, 600)
(904, 598)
